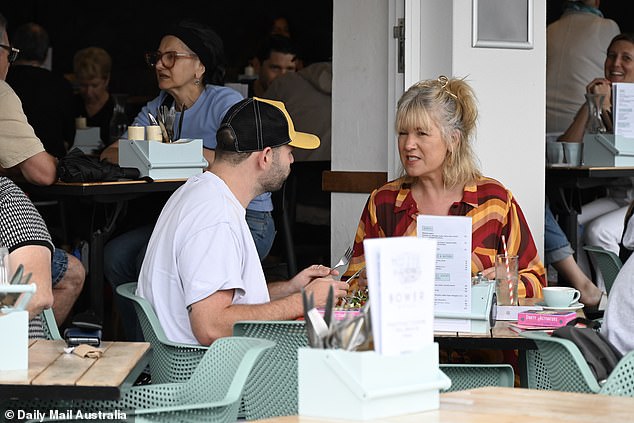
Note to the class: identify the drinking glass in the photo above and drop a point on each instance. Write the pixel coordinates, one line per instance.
(5, 269)
(506, 279)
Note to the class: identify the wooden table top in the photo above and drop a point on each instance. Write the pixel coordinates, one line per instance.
(498, 405)
(54, 374)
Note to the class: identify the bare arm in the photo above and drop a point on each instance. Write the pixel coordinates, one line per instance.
(40, 169)
(36, 260)
(214, 316)
(577, 128)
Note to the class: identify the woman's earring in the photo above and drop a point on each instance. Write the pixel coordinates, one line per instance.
(197, 82)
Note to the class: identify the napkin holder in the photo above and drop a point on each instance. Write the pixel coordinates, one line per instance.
(176, 160)
(88, 140)
(608, 150)
(14, 326)
(483, 308)
(363, 385)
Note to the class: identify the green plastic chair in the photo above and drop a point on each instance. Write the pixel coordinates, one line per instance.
(49, 324)
(171, 361)
(470, 376)
(537, 372)
(272, 389)
(609, 263)
(569, 371)
(212, 394)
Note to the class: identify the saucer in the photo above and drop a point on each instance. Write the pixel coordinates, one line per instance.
(571, 307)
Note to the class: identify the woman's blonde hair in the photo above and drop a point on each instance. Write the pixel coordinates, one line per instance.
(91, 63)
(451, 105)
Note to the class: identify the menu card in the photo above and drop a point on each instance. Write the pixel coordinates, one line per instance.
(400, 275)
(623, 102)
(453, 267)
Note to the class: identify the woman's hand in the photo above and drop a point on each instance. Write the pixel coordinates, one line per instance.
(489, 273)
(599, 86)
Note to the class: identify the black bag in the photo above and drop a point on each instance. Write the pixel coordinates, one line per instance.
(598, 352)
(79, 167)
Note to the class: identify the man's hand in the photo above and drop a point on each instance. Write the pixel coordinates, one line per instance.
(320, 287)
(309, 274)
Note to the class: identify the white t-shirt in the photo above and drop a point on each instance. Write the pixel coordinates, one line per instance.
(201, 244)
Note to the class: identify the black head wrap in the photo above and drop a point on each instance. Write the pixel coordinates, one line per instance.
(207, 45)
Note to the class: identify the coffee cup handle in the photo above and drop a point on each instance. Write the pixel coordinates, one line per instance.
(576, 297)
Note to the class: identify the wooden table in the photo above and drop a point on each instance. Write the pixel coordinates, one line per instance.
(53, 374)
(508, 405)
(564, 185)
(500, 337)
(116, 194)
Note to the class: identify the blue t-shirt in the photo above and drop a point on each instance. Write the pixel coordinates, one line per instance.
(202, 121)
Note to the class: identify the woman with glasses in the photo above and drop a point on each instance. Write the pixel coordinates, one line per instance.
(189, 65)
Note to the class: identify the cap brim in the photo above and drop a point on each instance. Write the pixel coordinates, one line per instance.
(305, 141)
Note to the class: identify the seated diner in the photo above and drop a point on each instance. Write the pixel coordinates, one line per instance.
(435, 123)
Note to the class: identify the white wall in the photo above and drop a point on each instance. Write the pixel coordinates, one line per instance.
(360, 108)
(509, 84)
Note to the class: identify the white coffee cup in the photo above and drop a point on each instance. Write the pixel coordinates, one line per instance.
(560, 296)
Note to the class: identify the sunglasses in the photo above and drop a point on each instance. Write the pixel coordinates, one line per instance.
(168, 58)
(13, 52)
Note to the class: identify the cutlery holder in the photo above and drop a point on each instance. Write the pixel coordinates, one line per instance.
(607, 150)
(365, 385)
(180, 159)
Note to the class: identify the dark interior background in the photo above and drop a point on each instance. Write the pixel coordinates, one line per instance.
(127, 29)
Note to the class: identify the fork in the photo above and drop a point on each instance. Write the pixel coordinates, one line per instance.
(345, 259)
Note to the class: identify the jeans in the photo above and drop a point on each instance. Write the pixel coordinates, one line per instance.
(262, 229)
(124, 255)
(556, 244)
(59, 265)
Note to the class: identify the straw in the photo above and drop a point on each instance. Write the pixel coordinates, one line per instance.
(508, 270)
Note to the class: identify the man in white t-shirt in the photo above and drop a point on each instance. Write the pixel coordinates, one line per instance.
(201, 271)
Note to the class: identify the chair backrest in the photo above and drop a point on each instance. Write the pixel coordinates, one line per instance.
(272, 389)
(567, 369)
(49, 324)
(621, 380)
(469, 376)
(609, 263)
(213, 392)
(536, 371)
(171, 361)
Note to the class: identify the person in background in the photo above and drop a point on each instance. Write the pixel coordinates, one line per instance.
(201, 272)
(602, 219)
(275, 57)
(435, 123)
(307, 94)
(189, 66)
(559, 254)
(47, 98)
(92, 67)
(618, 319)
(575, 45)
(22, 153)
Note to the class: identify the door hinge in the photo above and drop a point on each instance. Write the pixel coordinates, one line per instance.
(399, 33)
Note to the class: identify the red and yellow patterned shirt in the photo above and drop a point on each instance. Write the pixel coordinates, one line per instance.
(391, 211)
